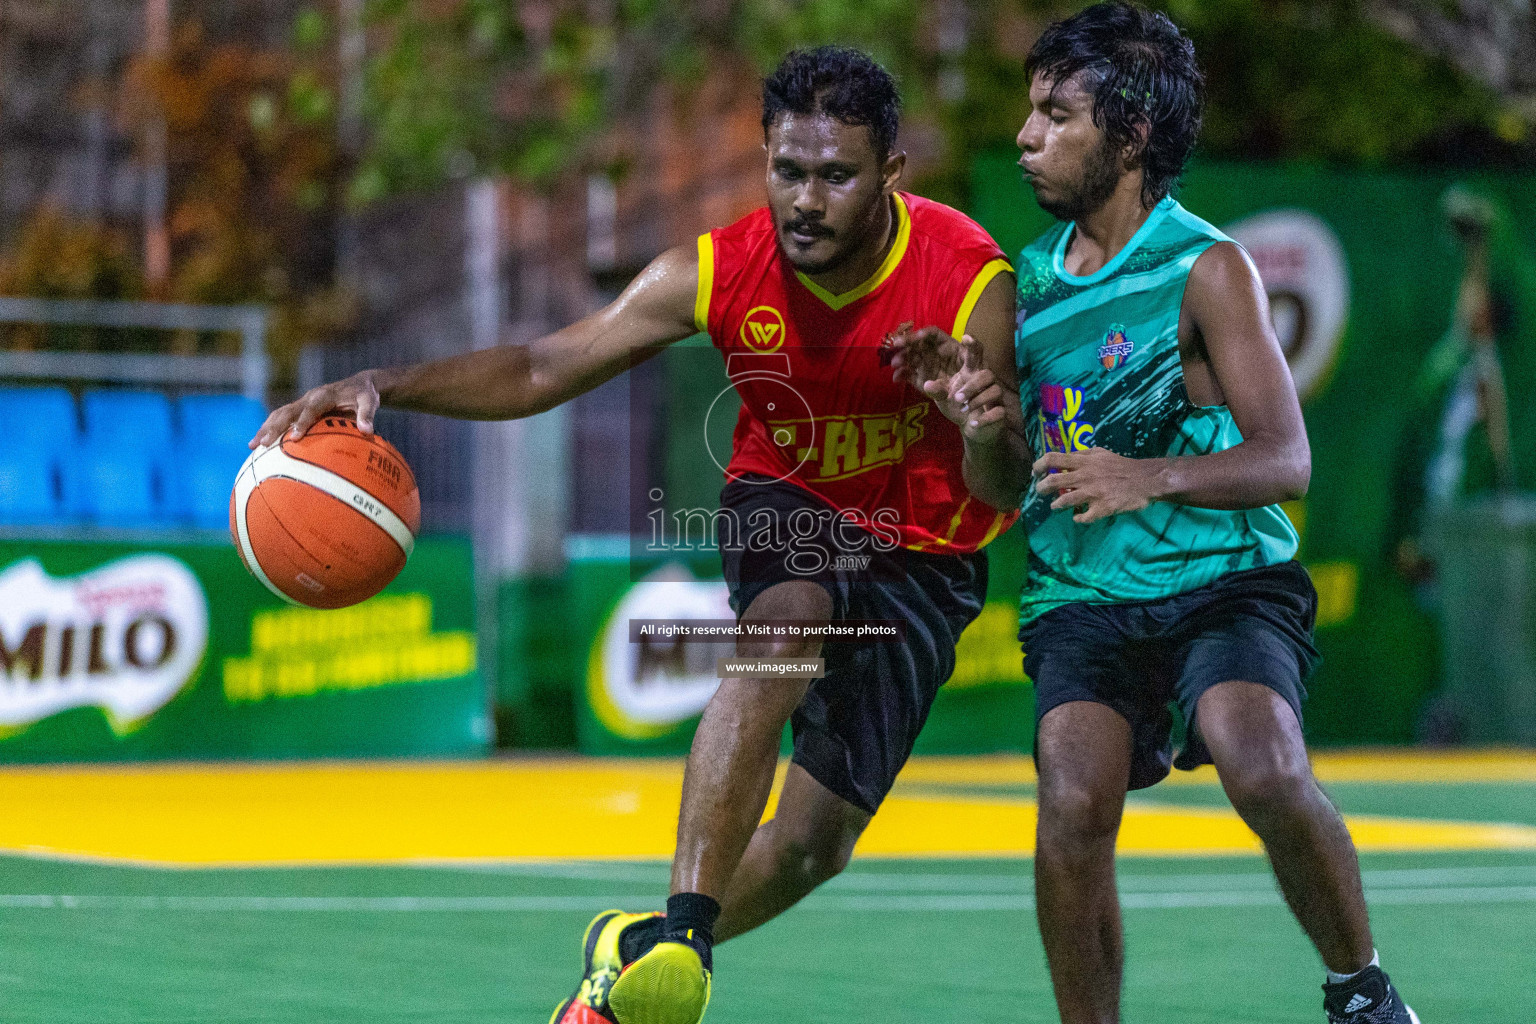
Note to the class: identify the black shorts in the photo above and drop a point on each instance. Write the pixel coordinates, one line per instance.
(1139, 657)
(857, 724)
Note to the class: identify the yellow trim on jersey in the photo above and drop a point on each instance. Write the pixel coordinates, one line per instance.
(887, 266)
(706, 282)
(984, 277)
(993, 530)
(954, 525)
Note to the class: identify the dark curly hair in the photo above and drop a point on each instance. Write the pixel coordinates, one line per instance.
(838, 81)
(1142, 72)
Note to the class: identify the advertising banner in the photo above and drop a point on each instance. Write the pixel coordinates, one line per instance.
(642, 697)
(645, 696)
(120, 651)
(1363, 271)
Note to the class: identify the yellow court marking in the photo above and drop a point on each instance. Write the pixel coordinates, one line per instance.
(1427, 766)
(331, 813)
(907, 827)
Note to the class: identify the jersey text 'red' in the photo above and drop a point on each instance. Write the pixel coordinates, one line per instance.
(818, 406)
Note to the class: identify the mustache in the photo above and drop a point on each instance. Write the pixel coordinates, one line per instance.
(809, 227)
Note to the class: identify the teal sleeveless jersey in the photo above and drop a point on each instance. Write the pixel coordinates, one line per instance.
(1098, 362)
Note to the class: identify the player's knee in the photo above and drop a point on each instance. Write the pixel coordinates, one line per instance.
(807, 864)
(779, 648)
(1270, 792)
(1076, 817)
(752, 705)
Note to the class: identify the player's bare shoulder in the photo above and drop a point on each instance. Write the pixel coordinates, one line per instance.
(660, 300)
(1224, 301)
(1224, 273)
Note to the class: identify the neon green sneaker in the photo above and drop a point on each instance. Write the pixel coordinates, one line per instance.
(602, 965)
(668, 985)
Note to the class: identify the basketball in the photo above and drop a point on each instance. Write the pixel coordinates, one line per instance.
(327, 520)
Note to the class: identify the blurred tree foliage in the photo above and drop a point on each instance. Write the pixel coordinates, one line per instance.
(489, 86)
(58, 257)
(254, 177)
(254, 193)
(260, 175)
(529, 89)
(1308, 79)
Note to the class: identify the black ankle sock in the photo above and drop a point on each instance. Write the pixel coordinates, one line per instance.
(637, 940)
(691, 919)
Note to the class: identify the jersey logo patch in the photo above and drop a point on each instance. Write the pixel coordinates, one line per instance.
(763, 329)
(1115, 348)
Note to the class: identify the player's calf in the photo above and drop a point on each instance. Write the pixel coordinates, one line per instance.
(1254, 738)
(1083, 750)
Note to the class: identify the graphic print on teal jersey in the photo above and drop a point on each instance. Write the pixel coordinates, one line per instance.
(1098, 362)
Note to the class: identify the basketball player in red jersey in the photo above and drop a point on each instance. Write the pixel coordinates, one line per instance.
(837, 450)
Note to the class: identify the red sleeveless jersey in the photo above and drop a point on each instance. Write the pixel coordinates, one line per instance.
(819, 408)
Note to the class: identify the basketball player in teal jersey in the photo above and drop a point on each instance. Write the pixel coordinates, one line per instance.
(1160, 565)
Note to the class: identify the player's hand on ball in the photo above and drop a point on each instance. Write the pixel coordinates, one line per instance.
(970, 398)
(1096, 482)
(356, 394)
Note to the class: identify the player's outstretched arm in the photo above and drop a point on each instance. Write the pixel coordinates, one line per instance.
(511, 381)
(1227, 311)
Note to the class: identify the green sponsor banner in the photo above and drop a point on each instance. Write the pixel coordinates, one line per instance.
(642, 698)
(123, 651)
(987, 705)
(1362, 273)
(646, 697)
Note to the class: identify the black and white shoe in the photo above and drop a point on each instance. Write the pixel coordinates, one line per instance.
(1367, 998)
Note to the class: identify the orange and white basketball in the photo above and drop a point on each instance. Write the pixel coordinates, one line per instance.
(327, 520)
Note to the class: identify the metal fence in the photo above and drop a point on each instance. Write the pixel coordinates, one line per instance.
(248, 372)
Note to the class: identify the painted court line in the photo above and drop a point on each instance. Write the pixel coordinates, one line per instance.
(864, 892)
(1023, 880)
(575, 870)
(830, 903)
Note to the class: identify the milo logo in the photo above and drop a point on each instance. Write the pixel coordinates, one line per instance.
(125, 638)
(646, 689)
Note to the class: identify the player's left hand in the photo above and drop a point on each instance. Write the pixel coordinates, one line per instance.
(1096, 482)
(970, 398)
(918, 357)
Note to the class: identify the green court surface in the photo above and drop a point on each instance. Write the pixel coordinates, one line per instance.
(916, 940)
